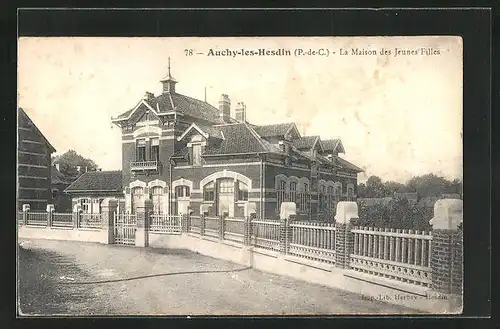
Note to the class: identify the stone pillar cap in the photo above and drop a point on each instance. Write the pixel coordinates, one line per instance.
(26, 207)
(50, 208)
(448, 214)
(249, 208)
(109, 202)
(346, 210)
(204, 208)
(287, 209)
(77, 207)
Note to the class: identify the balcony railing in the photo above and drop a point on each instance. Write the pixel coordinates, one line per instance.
(145, 165)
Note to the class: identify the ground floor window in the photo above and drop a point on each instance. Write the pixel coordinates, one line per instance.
(85, 205)
(303, 198)
(330, 195)
(182, 191)
(280, 193)
(242, 191)
(209, 192)
(157, 199)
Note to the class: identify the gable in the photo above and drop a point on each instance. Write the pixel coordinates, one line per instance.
(147, 115)
(31, 125)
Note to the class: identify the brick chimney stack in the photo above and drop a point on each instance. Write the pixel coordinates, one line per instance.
(224, 107)
(148, 96)
(240, 112)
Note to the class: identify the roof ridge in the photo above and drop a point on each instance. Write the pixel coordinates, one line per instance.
(257, 136)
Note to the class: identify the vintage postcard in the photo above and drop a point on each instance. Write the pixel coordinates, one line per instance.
(240, 176)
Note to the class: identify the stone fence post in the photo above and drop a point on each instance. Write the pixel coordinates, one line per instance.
(77, 213)
(109, 208)
(250, 212)
(185, 223)
(50, 214)
(202, 224)
(26, 210)
(288, 211)
(143, 213)
(447, 247)
(344, 238)
(221, 227)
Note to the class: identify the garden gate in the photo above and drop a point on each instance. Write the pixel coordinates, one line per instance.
(125, 226)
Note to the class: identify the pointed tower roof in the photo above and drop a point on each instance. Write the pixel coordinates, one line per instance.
(168, 81)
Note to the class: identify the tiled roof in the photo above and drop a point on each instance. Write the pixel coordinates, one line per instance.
(238, 138)
(305, 142)
(211, 131)
(347, 165)
(169, 101)
(273, 130)
(330, 144)
(98, 181)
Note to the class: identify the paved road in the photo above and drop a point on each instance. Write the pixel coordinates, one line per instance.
(58, 277)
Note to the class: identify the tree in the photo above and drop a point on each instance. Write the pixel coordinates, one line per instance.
(391, 187)
(397, 214)
(375, 188)
(69, 161)
(429, 185)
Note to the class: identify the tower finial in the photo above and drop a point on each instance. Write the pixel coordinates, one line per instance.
(168, 82)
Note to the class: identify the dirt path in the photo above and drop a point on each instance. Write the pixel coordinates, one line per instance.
(59, 277)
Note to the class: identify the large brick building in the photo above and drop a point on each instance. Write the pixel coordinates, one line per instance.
(33, 165)
(187, 155)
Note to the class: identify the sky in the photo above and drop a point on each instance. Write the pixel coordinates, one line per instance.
(397, 116)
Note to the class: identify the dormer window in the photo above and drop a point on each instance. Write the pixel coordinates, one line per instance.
(196, 154)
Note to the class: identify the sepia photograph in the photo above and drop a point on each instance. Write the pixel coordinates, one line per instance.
(209, 176)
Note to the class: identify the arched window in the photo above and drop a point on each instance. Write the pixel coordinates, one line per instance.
(350, 192)
(182, 191)
(303, 197)
(322, 198)
(156, 196)
(280, 185)
(242, 191)
(330, 198)
(338, 192)
(209, 192)
(293, 192)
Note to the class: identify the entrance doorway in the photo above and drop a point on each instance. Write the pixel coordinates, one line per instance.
(226, 197)
(137, 195)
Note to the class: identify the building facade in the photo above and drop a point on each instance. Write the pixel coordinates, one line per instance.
(91, 188)
(189, 156)
(33, 165)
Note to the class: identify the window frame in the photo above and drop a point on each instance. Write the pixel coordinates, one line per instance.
(209, 192)
(196, 160)
(242, 192)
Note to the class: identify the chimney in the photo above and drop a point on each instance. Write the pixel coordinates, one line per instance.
(148, 96)
(78, 168)
(240, 112)
(57, 166)
(224, 107)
